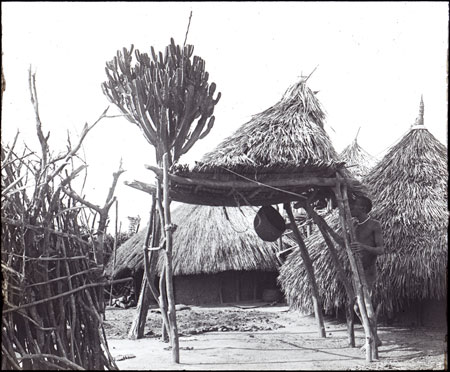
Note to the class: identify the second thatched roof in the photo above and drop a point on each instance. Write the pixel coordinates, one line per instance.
(207, 240)
(409, 188)
(357, 160)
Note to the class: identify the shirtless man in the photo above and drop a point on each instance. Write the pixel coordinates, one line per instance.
(369, 241)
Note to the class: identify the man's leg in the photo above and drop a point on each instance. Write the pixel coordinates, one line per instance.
(371, 277)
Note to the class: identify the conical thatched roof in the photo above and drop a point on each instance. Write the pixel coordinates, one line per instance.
(357, 160)
(409, 189)
(290, 133)
(284, 146)
(207, 240)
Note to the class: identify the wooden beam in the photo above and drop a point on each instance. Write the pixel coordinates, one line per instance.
(306, 180)
(203, 198)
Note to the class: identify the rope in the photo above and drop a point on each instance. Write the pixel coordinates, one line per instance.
(263, 184)
(393, 144)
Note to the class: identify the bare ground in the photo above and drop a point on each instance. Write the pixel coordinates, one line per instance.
(264, 337)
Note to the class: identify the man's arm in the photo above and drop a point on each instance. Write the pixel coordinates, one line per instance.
(378, 237)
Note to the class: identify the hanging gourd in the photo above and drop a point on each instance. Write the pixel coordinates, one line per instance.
(269, 224)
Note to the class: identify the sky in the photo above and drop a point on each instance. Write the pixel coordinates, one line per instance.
(372, 61)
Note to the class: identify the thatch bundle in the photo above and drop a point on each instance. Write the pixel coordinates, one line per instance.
(207, 240)
(357, 160)
(409, 189)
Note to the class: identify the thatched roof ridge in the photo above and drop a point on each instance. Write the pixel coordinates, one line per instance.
(357, 160)
(207, 240)
(409, 189)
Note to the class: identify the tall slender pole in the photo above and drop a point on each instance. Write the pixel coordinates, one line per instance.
(367, 298)
(169, 271)
(162, 300)
(346, 225)
(309, 271)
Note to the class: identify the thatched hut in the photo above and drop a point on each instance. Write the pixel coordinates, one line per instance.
(357, 160)
(409, 190)
(217, 256)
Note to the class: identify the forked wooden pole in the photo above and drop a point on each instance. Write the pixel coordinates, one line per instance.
(136, 330)
(151, 253)
(309, 270)
(347, 225)
(148, 287)
(169, 271)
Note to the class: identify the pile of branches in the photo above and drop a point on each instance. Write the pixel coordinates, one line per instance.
(51, 261)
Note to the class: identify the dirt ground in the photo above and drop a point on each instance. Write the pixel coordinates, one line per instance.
(263, 337)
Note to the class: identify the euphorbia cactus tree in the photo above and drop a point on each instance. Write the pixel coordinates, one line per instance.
(168, 96)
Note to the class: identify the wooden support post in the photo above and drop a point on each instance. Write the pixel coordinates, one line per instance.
(367, 296)
(320, 222)
(137, 326)
(169, 271)
(309, 270)
(163, 305)
(150, 262)
(148, 287)
(347, 225)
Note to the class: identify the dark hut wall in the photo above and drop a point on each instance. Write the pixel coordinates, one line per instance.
(225, 287)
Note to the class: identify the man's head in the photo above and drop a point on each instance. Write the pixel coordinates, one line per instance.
(360, 205)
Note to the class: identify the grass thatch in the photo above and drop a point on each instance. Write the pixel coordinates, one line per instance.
(357, 160)
(207, 240)
(409, 189)
(290, 133)
(294, 280)
(285, 142)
